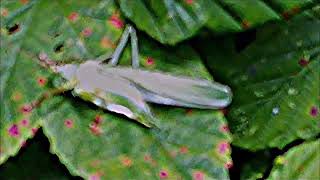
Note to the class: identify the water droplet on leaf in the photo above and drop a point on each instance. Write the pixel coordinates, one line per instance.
(275, 110)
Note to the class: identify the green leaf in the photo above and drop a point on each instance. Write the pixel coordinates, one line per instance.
(89, 141)
(275, 81)
(171, 21)
(300, 162)
(167, 21)
(34, 162)
(65, 33)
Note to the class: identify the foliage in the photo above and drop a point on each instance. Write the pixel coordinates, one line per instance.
(279, 73)
(297, 163)
(34, 162)
(275, 82)
(171, 21)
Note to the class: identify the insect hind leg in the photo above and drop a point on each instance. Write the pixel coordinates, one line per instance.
(134, 47)
(114, 59)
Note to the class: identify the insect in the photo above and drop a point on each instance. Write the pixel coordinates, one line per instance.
(127, 90)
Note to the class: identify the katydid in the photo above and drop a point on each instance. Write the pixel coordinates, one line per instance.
(126, 90)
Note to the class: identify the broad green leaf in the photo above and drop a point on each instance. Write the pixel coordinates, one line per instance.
(93, 143)
(27, 30)
(168, 21)
(171, 21)
(300, 162)
(275, 82)
(34, 162)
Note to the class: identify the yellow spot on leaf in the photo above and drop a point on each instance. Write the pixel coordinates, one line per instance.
(280, 160)
(107, 43)
(16, 96)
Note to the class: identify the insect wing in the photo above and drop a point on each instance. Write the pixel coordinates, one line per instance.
(167, 89)
(112, 92)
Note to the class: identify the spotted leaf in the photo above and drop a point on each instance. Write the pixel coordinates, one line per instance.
(34, 162)
(90, 142)
(276, 94)
(300, 162)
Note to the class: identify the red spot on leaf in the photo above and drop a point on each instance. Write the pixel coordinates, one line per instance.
(25, 109)
(245, 24)
(14, 131)
(24, 122)
(126, 161)
(303, 62)
(86, 32)
(224, 128)
(94, 177)
(150, 61)
(163, 174)
(147, 157)
(68, 123)
(183, 150)
(189, 1)
(106, 43)
(95, 129)
(34, 131)
(16, 96)
(24, 1)
(98, 119)
(228, 165)
(223, 147)
(4, 12)
(73, 17)
(41, 81)
(116, 21)
(173, 153)
(286, 15)
(314, 111)
(189, 112)
(198, 175)
(23, 144)
(224, 111)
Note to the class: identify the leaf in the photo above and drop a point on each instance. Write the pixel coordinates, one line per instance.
(171, 21)
(93, 143)
(275, 81)
(300, 162)
(24, 38)
(34, 162)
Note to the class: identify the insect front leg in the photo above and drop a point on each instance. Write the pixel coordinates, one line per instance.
(53, 92)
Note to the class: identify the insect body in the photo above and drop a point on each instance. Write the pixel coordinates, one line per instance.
(126, 90)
